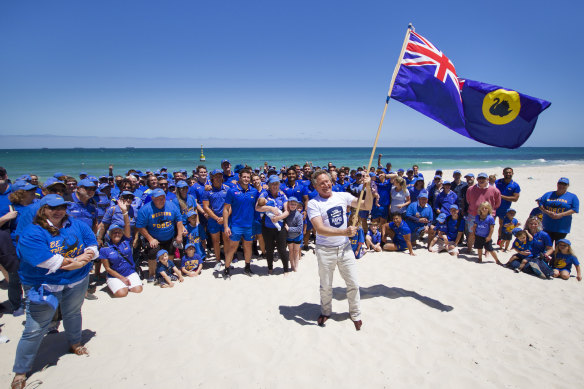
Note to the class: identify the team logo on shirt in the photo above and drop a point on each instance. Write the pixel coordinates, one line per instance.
(335, 216)
(501, 106)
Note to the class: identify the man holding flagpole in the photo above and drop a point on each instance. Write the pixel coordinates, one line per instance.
(327, 214)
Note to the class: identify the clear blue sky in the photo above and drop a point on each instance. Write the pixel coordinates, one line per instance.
(270, 69)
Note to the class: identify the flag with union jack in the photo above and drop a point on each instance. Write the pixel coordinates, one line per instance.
(427, 82)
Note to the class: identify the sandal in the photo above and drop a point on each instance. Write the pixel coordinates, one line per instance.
(321, 320)
(18, 383)
(79, 350)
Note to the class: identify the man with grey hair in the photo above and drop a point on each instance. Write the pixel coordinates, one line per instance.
(327, 214)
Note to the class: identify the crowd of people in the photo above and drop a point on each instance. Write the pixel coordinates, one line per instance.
(162, 227)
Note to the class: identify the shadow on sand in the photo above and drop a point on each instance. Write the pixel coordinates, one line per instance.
(53, 347)
(307, 313)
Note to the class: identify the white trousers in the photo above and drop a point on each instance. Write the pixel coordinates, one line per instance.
(328, 258)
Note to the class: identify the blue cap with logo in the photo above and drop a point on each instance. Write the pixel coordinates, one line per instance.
(516, 230)
(22, 185)
(469, 175)
(53, 200)
(423, 194)
(483, 175)
(402, 170)
(114, 227)
(216, 171)
(441, 218)
(453, 206)
(157, 193)
(52, 181)
(127, 193)
(292, 198)
(160, 253)
(189, 245)
(58, 174)
(447, 182)
(273, 179)
(87, 183)
(456, 172)
(225, 161)
(191, 213)
(182, 184)
(566, 241)
(564, 180)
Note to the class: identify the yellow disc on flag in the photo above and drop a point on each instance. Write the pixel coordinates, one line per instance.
(501, 106)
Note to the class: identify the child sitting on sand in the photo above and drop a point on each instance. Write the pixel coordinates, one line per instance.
(509, 224)
(440, 240)
(563, 259)
(483, 231)
(271, 203)
(521, 246)
(373, 238)
(166, 271)
(192, 263)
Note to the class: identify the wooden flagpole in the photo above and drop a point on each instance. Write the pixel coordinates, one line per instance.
(397, 66)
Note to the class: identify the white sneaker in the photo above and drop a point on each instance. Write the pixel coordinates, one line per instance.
(217, 266)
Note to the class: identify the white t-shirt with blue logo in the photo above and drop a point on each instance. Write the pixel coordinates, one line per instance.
(332, 210)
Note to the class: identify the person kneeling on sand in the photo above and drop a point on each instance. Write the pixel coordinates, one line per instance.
(400, 234)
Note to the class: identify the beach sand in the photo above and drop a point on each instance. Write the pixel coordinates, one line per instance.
(428, 321)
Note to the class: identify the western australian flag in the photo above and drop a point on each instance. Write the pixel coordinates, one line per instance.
(427, 82)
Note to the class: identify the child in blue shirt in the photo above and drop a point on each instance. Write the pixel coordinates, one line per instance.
(509, 224)
(357, 242)
(522, 246)
(192, 233)
(166, 271)
(563, 259)
(191, 263)
(373, 238)
(483, 231)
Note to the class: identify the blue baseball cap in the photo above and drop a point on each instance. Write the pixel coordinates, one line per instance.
(511, 210)
(93, 178)
(161, 253)
(437, 177)
(238, 168)
(453, 206)
(171, 183)
(182, 184)
(516, 230)
(157, 193)
(423, 194)
(102, 178)
(114, 227)
(189, 245)
(483, 175)
(224, 161)
(163, 168)
(53, 200)
(438, 170)
(410, 170)
(216, 171)
(58, 174)
(456, 172)
(52, 181)
(127, 193)
(371, 174)
(22, 185)
(104, 185)
(441, 218)
(566, 241)
(402, 170)
(273, 179)
(446, 182)
(292, 198)
(25, 177)
(564, 180)
(191, 213)
(359, 173)
(83, 173)
(87, 183)
(469, 175)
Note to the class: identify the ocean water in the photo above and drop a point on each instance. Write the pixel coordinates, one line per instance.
(45, 162)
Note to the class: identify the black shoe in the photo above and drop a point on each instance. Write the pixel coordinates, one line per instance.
(226, 274)
(248, 272)
(305, 248)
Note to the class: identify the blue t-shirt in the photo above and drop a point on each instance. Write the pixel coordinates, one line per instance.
(383, 189)
(36, 245)
(506, 190)
(116, 257)
(161, 267)
(484, 225)
(242, 205)
(298, 191)
(279, 202)
(191, 263)
(5, 201)
(102, 202)
(540, 241)
(114, 215)
(415, 212)
(400, 232)
(453, 227)
(160, 223)
(444, 200)
(522, 246)
(232, 180)
(86, 213)
(190, 205)
(375, 238)
(357, 242)
(26, 217)
(558, 204)
(565, 261)
(509, 224)
(216, 199)
(194, 238)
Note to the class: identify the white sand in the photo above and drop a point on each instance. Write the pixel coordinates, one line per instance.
(429, 321)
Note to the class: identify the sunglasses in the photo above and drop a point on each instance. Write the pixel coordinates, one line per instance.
(58, 207)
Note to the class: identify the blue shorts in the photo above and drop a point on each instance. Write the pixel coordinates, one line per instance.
(202, 233)
(214, 227)
(501, 212)
(401, 245)
(256, 227)
(364, 214)
(298, 239)
(377, 212)
(238, 232)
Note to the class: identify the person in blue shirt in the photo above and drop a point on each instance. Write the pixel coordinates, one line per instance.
(558, 208)
(238, 213)
(183, 201)
(166, 271)
(55, 259)
(357, 241)
(191, 263)
(380, 210)
(197, 189)
(118, 260)
(445, 199)
(419, 217)
(415, 188)
(509, 223)
(213, 204)
(83, 207)
(159, 222)
(373, 238)
(293, 188)
(509, 194)
(115, 215)
(103, 200)
(399, 232)
(191, 234)
(483, 231)
(563, 260)
(5, 190)
(522, 246)
(229, 178)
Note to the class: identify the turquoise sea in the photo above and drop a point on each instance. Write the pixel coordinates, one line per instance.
(45, 162)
